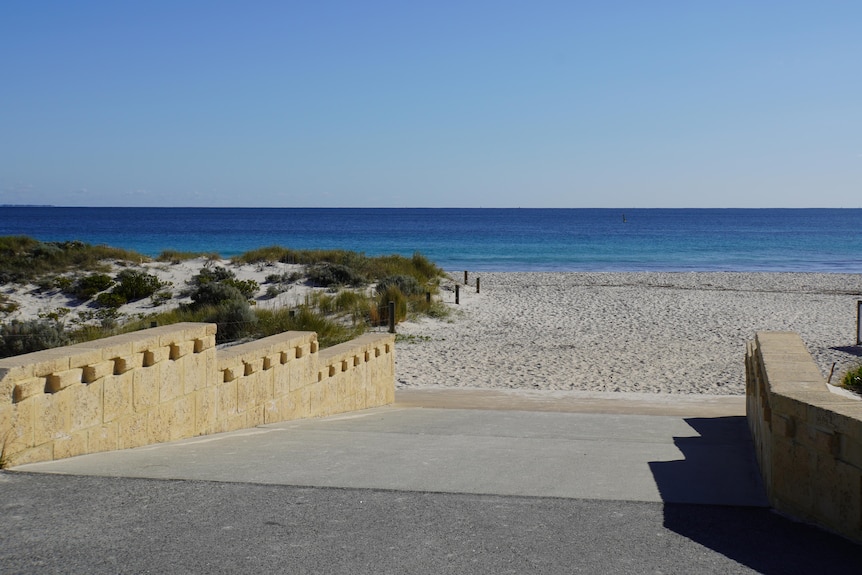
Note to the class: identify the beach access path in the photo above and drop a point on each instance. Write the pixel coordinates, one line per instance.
(501, 482)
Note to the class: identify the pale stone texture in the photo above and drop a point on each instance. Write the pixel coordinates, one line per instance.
(171, 382)
(808, 440)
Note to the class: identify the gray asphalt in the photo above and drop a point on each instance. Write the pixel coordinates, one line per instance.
(421, 487)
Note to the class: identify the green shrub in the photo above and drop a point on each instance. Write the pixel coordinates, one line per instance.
(211, 275)
(235, 320)
(329, 332)
(273, 291)
(162, 297)
(407, 284)
(248, 288)
(19, 337)
(88, 286)
(853, 379)
(23, 258)
(7, 305)
(62, 283)
(391, 294)
(110, 300)
(135, 285)
(328, 274)
(215, 293)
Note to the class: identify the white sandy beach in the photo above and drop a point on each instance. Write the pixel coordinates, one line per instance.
(671, 333)
(675, 333)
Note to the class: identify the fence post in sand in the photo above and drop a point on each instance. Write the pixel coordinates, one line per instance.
(457, 294)
(465, 277)
(477, 285)
(392, 317)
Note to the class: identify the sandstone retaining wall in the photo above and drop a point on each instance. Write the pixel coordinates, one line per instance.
(808, 440)
(170, 382)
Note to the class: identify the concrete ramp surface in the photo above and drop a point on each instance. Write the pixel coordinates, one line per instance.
(607, 456)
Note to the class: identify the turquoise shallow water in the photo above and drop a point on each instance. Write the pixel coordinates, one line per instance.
(808, 240)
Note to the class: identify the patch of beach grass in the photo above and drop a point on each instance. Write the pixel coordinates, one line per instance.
(853, 380)
(23, 259)
(177, 257)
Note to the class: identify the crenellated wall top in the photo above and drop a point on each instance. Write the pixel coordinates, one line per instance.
(46, 363)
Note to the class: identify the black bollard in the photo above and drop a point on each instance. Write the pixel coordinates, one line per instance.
(465, 277)
(457, 294)
(477, 285)
(392, 317)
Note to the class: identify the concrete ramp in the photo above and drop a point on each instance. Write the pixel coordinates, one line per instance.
(703, 458)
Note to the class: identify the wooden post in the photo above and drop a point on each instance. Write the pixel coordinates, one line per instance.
(859, 323)
(392, 317)
(477, 285)
(457, 294)
(465, 277)
(427, 297)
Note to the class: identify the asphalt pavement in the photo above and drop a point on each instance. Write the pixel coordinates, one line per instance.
(473, 482)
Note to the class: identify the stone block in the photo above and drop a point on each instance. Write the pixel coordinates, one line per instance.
(204, 343)
(237, 421)
(86, 405)
(128, 363)
(50, 361)
(245, 393)
(256, 416)
(103, 438)
(133, 430)
(837, 493)
(97, 371)
(70, 445)
(83, 354)
(117, 393)
(264, 387)
(159, 422)
(183, 422)
(273, 411)
(281, 380)
(206, 410)
(13, 369)
(28, 388)
(145, 388)
(19, 423)
(227, 399)
(156, 355)
(300, 403)
(36, 454)
(53, 416)
(181, 349)
(63, 379)
(193, 372)
(170, 380)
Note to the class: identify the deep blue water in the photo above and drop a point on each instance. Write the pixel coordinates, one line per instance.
(821, 240)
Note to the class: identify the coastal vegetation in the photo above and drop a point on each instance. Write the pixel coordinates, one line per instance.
(853, 380)
(347, 292)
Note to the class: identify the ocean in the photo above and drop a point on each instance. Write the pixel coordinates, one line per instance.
(479, 239)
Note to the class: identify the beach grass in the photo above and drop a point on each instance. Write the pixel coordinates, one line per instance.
(24, 259)
(340, 302)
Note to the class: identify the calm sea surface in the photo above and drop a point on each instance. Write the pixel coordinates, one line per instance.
(816, 240)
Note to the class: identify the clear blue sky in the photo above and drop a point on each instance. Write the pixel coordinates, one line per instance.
(641, 103)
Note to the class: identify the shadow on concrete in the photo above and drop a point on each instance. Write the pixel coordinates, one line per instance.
(749, 533)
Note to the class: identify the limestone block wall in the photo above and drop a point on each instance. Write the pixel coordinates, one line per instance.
(171, 382)
(808, 440)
